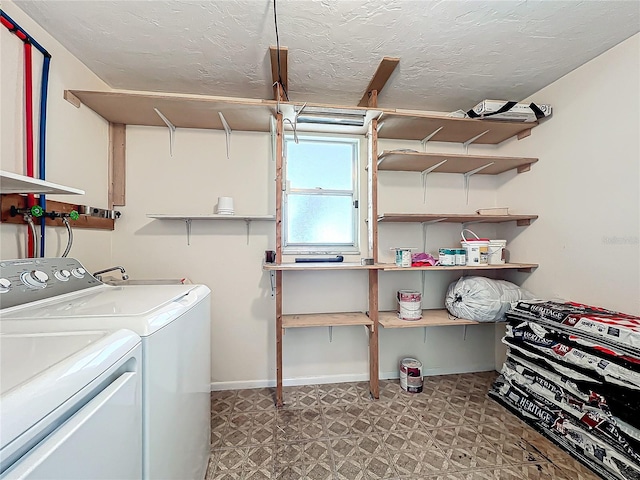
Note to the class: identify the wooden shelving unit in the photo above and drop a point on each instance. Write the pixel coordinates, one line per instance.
(410, 126)
(430, 318)
(15, 183)
(400, 161)
(341, 319)
(521, 220)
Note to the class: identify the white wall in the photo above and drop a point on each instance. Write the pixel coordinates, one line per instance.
(585, 186)
(77, 139)
(243, 318)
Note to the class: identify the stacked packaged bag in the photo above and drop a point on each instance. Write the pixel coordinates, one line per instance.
(573, 372)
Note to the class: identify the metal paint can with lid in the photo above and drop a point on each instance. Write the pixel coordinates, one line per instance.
(411, 375)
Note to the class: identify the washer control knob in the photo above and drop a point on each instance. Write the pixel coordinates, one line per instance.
(79, 272)
(35, 279)
(62, 275)
(5, 285)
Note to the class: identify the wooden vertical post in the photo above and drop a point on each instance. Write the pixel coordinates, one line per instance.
(117, 164)
(279, 183)
(372, 231)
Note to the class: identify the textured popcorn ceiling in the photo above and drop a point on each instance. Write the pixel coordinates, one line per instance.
(452, 53)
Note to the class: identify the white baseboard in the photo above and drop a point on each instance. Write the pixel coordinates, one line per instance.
(345, 378)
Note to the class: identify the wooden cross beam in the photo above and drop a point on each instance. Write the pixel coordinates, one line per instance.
(377, 83)
(277, 90)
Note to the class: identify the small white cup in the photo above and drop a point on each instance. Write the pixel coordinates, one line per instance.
(225, 205)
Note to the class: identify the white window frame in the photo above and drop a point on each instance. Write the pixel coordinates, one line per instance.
(329, 249)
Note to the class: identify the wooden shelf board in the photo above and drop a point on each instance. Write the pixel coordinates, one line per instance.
(325, 320)
(420, 161)
(15, 183)
(452, 218)
(185, 111)
(209, 216)
(430, 318)
(417, 126)
(318, 266)
(506, 266)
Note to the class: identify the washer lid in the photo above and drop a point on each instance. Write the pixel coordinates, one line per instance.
(143, 309)
(104, 302)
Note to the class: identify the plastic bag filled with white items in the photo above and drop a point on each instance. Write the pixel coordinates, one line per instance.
(483, 299)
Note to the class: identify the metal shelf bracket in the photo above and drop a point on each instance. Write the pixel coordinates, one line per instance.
(429, 137)
(172, 130)
(330, 334)
(468, 175)
(424, 338)
(247, 221)
(187, 222)
(272, 279)
(464, 333)
(227, 133)
(423, 177)
(471, 140)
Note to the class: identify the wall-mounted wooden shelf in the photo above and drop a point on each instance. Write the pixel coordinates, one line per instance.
(399, 161)
(506, 266)
(246, 114)
(15, 183)
(522, 220)
(417, 126)
(293, 267)
(185, 111)
(430, 318)
(325, 320)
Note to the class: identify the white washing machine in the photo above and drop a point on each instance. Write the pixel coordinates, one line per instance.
(71, 406)
(57, 294)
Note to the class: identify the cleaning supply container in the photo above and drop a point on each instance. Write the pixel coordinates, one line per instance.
(403, 257)
(477, 249)
(496, 252)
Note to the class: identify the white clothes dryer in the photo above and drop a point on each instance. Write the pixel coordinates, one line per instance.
(57, 294)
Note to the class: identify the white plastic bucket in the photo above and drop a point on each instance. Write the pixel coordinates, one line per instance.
(496, 252)
(477, 249)
(409, 302)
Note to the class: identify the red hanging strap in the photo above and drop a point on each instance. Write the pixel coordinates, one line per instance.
(28, 105)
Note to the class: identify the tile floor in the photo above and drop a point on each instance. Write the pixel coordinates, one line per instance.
(451, 431)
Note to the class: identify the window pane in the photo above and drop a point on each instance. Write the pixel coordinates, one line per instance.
(320, 219)
(315, 164)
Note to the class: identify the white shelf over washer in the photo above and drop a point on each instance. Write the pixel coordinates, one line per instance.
(210, 216)
(15, 183)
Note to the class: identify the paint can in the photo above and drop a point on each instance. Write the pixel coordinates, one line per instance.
(496, 252)
(411, 375)
(403, 257)
(409, 305)
(447, 257)
(461, 256)
(476, 249)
